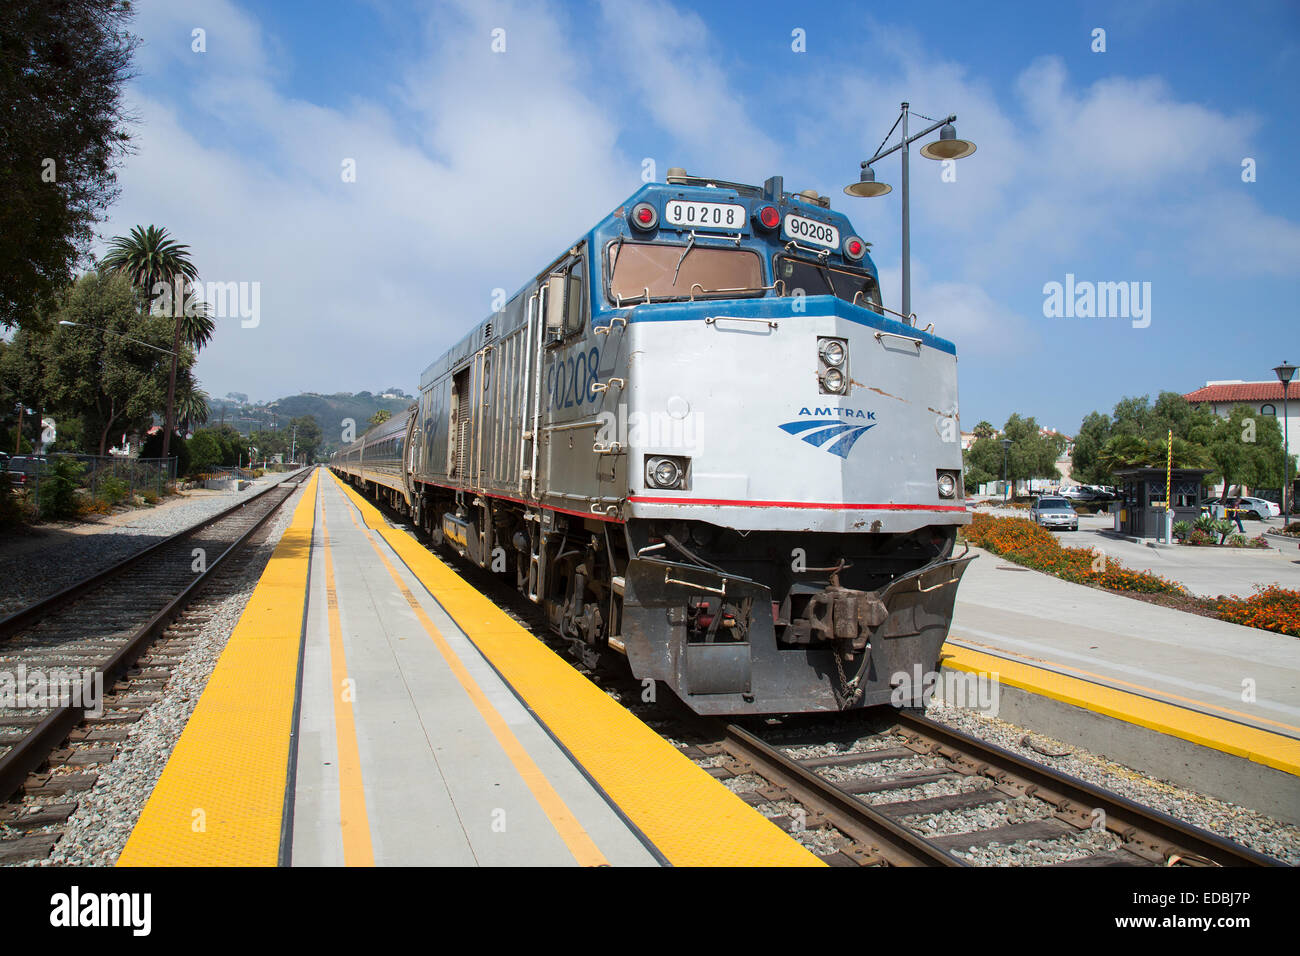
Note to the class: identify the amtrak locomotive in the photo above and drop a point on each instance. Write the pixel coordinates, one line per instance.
(699, 438)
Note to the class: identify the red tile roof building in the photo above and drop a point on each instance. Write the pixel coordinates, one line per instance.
(1244, 392)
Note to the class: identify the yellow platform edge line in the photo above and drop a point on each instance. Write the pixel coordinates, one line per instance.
(691, 818)
(220, 799)
(1251, 743)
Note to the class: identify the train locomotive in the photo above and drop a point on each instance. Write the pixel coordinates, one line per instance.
(699, 438)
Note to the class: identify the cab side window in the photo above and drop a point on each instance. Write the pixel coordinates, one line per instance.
(575, 298)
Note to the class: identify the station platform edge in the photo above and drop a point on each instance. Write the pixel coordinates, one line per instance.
(221, 797)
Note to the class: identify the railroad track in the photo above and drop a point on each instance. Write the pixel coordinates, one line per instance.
(117, 633)
(1042, 804)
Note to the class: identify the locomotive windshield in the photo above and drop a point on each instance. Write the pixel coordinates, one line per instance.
(814, 278)
(675, 271)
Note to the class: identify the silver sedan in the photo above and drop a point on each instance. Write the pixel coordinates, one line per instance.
(1054, 513)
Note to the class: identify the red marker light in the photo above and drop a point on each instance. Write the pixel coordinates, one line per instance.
(644, 216)
(854, 248)
(769, 217)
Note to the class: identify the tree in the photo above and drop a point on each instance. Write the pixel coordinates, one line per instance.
(1032, 454)
(1093, 434)
(153, 262)
(63, 67)
(191, 405)
(95, 371)
(308, 436)
(1246, 449)
(379, 417)
(22, 379)
(984, 430)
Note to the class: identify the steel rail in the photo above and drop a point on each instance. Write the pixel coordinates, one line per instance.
(895, 843)
(1185, 841)
(26, 617)
(35, 747)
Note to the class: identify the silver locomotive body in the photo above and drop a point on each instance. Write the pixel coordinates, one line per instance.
(752, 492)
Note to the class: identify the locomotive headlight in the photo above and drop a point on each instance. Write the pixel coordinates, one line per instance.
(947, 484)
(833, 380)
(833, 353)
(664, 472)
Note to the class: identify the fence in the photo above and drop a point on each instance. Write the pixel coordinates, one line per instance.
(108, 475)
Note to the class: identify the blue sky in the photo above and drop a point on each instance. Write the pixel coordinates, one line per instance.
(475, 168)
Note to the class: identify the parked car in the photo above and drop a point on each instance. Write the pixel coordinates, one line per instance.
(1078, 493)
(1054, 512)
(1257, 509)
(23, 467)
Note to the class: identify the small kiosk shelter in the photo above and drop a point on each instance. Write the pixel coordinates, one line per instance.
(1142, 498)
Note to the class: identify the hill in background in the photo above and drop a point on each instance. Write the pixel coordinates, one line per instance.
(328, 410)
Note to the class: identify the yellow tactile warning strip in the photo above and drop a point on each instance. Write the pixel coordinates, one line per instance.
(557, 811)
(1252, 743)
(692, 819)
(220, 799)
(354, 822)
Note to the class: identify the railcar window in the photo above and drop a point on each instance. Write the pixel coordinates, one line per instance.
(573, 297)
(636, 267)
(817, 279)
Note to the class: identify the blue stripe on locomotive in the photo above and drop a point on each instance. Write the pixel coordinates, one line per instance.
(615, 225)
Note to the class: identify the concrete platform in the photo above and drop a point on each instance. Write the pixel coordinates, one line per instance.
(399, 761)
(1202, 702)
(371, 708)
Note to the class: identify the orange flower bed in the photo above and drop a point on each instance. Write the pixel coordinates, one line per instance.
(1271, 608)
(1029, 544)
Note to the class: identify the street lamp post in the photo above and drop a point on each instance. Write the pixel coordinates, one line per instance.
(947, 147)
(1284, 374)
(1006, 444)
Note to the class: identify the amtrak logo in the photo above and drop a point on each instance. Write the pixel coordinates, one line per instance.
(841, 435)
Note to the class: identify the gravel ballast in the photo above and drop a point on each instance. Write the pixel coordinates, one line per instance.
(96, 833)
(53, 557)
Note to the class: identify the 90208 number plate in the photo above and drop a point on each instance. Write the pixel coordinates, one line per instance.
(705, 215)
(810, 230)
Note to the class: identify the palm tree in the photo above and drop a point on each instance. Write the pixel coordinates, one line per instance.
(197, 325)
(149, 257)
(191, 406)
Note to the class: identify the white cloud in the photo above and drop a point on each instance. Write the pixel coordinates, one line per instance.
(678, 70)
(366, 281)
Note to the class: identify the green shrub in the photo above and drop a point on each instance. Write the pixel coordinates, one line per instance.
(1205, 523)
(12, 510)
(206, 452)
(1182, 529)
(1237, 541)
(59, 489)
(112, 489)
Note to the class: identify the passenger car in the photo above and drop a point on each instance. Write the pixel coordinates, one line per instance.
(1054, 512)
(1257, 509)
